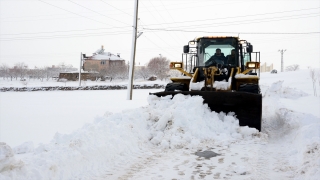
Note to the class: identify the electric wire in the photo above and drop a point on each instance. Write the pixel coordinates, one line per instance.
(117, 8)
(96, 29)
(173, 37)
(233, 17)
(73, 12)
(67, 36)
(179, 30)
(97, 12)
(168, 54)
(232, 23)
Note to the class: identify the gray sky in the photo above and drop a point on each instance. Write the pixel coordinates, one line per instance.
(48, 32)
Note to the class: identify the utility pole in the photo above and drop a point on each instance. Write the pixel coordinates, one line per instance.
(133, 51)
(282, 51)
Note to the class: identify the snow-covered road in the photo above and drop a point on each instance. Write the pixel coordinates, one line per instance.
(166, 139)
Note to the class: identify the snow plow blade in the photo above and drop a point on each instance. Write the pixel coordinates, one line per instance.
(246, 106)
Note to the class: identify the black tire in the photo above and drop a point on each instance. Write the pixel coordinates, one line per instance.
(250, 88)
(176, 87)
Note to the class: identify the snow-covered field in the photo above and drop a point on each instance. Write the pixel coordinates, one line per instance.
(100, 135)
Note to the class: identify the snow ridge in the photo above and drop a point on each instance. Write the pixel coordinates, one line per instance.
(181, 122)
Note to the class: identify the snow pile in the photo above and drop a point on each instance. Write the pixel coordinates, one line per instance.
(183, 121)
(24, 148)
(196, 85)
(276, 90)
(110, 140)
(299, 131)
(222, 85)
(241, 76)
(7, 159)
(219, 85)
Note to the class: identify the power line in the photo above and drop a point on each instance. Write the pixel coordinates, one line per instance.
(67, 36)
(98, 13)
(232, 17)
(152, 24)
(161, 17)
(116, 8)
(72, 12)
(231, 23)
(68, 31)
(170, 15)
(156, 45)
(155, 33)
(179, 30)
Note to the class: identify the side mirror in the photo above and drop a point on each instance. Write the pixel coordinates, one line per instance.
(186, 49)
(249, 48)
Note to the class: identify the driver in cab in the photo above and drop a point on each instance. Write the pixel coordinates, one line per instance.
(217, 58)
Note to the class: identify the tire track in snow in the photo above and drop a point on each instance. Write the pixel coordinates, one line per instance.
(184, 164)
(270, 160)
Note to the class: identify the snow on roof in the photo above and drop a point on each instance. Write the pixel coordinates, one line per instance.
(82, 72)
(101, 55)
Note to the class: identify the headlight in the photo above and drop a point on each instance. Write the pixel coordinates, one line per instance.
(174, 65)
(253, 65)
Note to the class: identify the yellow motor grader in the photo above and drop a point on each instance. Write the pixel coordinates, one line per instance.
(227, 83)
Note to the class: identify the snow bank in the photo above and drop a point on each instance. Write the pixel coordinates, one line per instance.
(182, 121)
(299, 131)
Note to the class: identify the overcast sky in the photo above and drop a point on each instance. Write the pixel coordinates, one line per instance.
(49, 32)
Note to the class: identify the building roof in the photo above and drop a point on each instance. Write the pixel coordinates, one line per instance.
(101, 55)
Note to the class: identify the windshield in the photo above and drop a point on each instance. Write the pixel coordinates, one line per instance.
(209, 51)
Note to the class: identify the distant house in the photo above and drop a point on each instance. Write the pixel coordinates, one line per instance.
(265, 68)
(101, 60)
(138, 66)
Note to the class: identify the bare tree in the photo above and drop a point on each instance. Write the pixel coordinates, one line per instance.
(293, 67)
(319, 78)
(314, 79)
(65, 67)
(21, 69)
(116, 70)
(143, 72)
(41, 73)
(175, 73)
(4, 71)
(49, 72)
(14, 73)
(159, 66)
(122, 71)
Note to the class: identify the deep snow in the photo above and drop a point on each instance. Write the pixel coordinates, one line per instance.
(157, 138)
